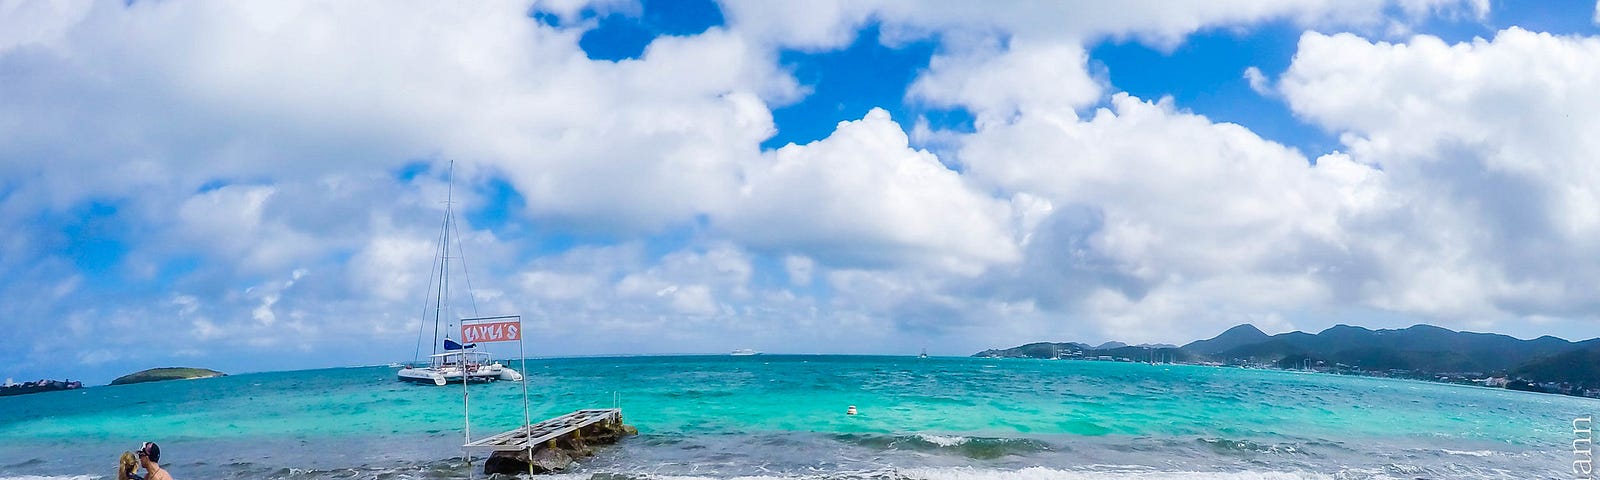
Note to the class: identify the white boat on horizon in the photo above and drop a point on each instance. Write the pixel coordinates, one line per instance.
(744, 352)
(457, 363)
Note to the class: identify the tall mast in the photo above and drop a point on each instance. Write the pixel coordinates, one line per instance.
(444, 258)
(442, 292)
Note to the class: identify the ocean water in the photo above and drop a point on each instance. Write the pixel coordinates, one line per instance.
(782, 417)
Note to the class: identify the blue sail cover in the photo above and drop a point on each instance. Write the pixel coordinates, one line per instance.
(452, 345)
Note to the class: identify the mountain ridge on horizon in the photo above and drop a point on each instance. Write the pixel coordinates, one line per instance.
(1418, 348)
(1412, 326)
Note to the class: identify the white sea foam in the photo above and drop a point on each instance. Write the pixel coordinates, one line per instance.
(1041, 473)
(1031, 473)
(1474, 453)
(943, 440)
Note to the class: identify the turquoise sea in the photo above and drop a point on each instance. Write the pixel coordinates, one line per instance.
(783, 417)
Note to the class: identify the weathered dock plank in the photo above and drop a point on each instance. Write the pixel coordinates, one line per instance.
(523, 438)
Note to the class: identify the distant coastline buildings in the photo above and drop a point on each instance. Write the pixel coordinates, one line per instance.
(1421, 352)
(13, 388)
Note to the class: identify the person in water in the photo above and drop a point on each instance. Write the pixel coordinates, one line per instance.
(126, 466)
(150, 458)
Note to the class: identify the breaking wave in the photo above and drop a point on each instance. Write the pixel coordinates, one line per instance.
(977, 448)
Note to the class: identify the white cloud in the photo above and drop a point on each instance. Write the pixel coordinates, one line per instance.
(1180, 195)
(1475, 9)
(799, 268)
(1173, 207)
(1151, 204)
(832, 23)
(389, 267)
(698, 299)
(269, 295)
(862, 196)
(229, 221)
(37, 24)
(1258, 81)
(278, 90)
(1489, 143)
(997, 84)
(560, 286)
(270, 147)
(684, 281)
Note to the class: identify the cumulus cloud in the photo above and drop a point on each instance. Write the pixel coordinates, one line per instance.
(697, 299)
(229, 222)
(832, 23)
(1258, 81)
(640, 143)
(996, 84)
(1495, 169)
(270, 146)
(1157, 168)
(863, 196)
(253, 174)
(1155, 204)
(1464, 198)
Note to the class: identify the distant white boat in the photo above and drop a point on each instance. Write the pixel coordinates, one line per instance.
(744, 352)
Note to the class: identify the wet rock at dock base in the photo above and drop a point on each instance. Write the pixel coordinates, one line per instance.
(545, 460)
(559, 454)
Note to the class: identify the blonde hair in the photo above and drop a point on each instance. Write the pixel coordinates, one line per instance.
(126, 465)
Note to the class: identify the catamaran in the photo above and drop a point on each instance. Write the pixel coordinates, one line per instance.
(457, 363)
(448, 367)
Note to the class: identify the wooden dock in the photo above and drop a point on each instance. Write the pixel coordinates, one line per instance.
(534, 436)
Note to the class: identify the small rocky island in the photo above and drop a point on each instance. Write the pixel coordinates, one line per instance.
(166, 373)
(11, 388)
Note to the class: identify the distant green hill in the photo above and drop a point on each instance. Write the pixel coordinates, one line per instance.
(1578, 367)
(1419, 348)
(1140, 353)
(1239, 336)
(166, 373)
(1036, 350)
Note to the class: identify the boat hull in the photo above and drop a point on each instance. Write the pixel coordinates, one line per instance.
(442, 377)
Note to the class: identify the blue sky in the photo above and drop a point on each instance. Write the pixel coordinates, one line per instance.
(255, 187)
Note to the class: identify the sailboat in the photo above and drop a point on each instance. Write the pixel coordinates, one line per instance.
(451, 361)
(924, 353)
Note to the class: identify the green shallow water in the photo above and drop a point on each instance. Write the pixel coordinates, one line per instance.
(937, 412)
